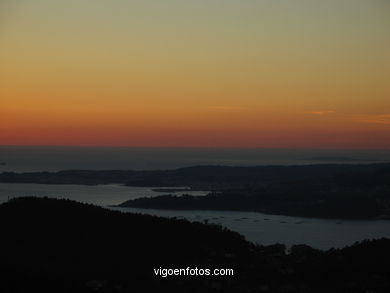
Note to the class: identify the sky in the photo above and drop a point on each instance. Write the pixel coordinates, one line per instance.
(199, 73)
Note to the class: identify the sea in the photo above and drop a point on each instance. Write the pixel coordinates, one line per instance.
(37, 158)
(256, 227)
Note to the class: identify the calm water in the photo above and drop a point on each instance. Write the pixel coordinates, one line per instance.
(270, 229)
(256, 227)
(25, 159)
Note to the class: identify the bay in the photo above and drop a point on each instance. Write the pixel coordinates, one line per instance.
(256, 227)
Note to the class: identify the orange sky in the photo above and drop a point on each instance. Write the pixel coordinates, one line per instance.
(195, 73)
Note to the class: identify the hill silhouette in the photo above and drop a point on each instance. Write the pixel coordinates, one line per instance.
(51, 245)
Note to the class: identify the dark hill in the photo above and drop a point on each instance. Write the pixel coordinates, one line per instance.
(47, 238)
(50, 245)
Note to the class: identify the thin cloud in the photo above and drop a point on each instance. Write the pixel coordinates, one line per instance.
(366, 118)
(359, 118)
(229, 108)
(321, 112)
(376, 119)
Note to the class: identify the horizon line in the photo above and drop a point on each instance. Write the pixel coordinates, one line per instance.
(200, 147)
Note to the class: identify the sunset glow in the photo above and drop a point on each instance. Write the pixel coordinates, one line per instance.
(195, 73)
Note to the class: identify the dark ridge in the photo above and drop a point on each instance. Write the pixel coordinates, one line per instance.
(198, 177)
(337, 159)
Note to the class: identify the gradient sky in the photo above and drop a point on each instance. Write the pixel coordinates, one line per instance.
(220, 73)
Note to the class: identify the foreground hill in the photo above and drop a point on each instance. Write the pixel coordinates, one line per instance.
(51, 245)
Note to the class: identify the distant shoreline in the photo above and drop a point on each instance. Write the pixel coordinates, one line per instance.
(352, 191)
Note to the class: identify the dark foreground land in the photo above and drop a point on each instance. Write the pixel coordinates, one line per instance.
(50, 245)
(331, 190)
